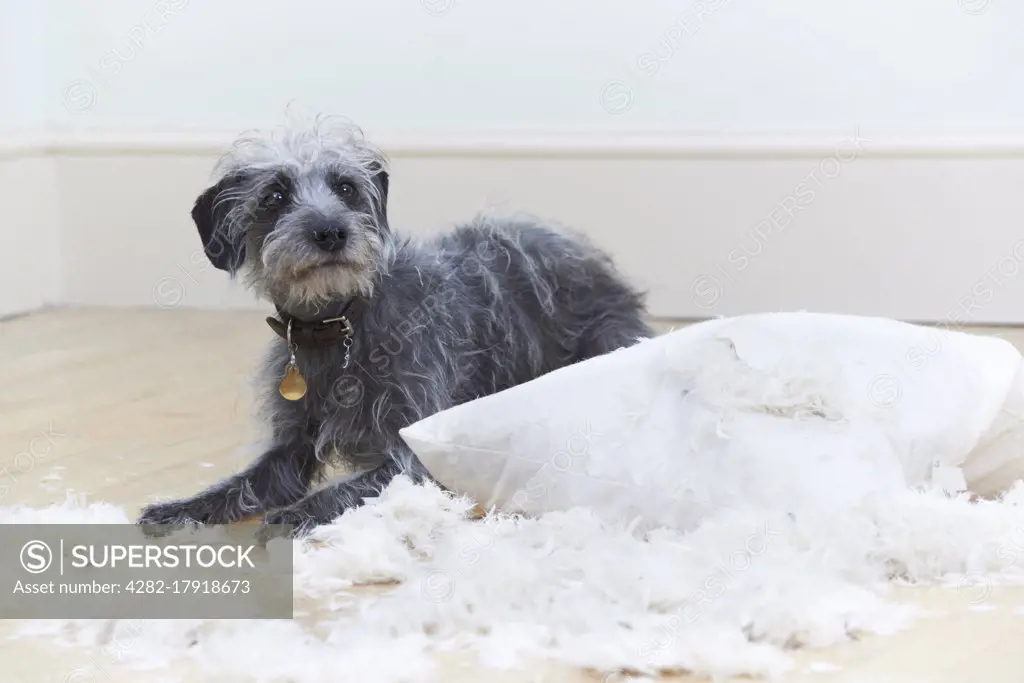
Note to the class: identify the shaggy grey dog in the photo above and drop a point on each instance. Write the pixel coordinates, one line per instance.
(302, 215)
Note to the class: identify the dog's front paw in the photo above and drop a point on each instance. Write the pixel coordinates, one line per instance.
(160, 519)
(285, 523)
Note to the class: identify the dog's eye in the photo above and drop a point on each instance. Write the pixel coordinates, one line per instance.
(272, 200)
(345, 190)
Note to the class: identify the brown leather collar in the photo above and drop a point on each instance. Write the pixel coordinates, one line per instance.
(320, 333)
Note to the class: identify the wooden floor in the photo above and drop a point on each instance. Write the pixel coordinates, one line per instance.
(144, 404)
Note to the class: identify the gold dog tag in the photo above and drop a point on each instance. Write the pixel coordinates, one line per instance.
(293, 386)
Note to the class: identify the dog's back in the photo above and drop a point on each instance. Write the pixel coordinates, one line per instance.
(536, 298)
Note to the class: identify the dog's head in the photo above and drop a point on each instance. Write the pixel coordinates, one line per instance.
(301, 212)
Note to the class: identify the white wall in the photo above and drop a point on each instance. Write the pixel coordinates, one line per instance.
(457, 64)
(672, 131)
(22, 66)
(29, 249)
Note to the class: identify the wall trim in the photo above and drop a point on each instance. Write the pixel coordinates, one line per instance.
(30, 233)
(909, 241)
(551, 143)
(19, 145)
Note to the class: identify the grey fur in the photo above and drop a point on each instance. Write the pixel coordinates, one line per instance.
(495, 302)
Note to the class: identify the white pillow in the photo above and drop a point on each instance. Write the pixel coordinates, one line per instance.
(781, 410)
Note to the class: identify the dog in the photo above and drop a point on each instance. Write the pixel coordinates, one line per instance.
(377, 331)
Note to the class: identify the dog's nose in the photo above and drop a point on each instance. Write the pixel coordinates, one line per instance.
(329, 237)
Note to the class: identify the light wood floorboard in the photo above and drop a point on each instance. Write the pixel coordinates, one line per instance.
(148, 403)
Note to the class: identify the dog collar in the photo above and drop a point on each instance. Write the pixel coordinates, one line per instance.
(316, 334)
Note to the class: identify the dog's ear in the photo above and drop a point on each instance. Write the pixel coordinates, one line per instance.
(225, 251)
(380, 179)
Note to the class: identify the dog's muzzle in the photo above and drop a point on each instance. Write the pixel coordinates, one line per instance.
(329, 236)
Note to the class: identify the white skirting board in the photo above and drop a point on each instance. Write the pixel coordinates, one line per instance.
(922, 228)
(29, 232)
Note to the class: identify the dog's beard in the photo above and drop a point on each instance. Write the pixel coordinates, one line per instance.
(292, 272)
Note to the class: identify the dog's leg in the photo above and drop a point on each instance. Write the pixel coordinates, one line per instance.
(279, 477)
(327, 504)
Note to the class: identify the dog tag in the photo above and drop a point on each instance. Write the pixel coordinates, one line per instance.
(293, 386)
